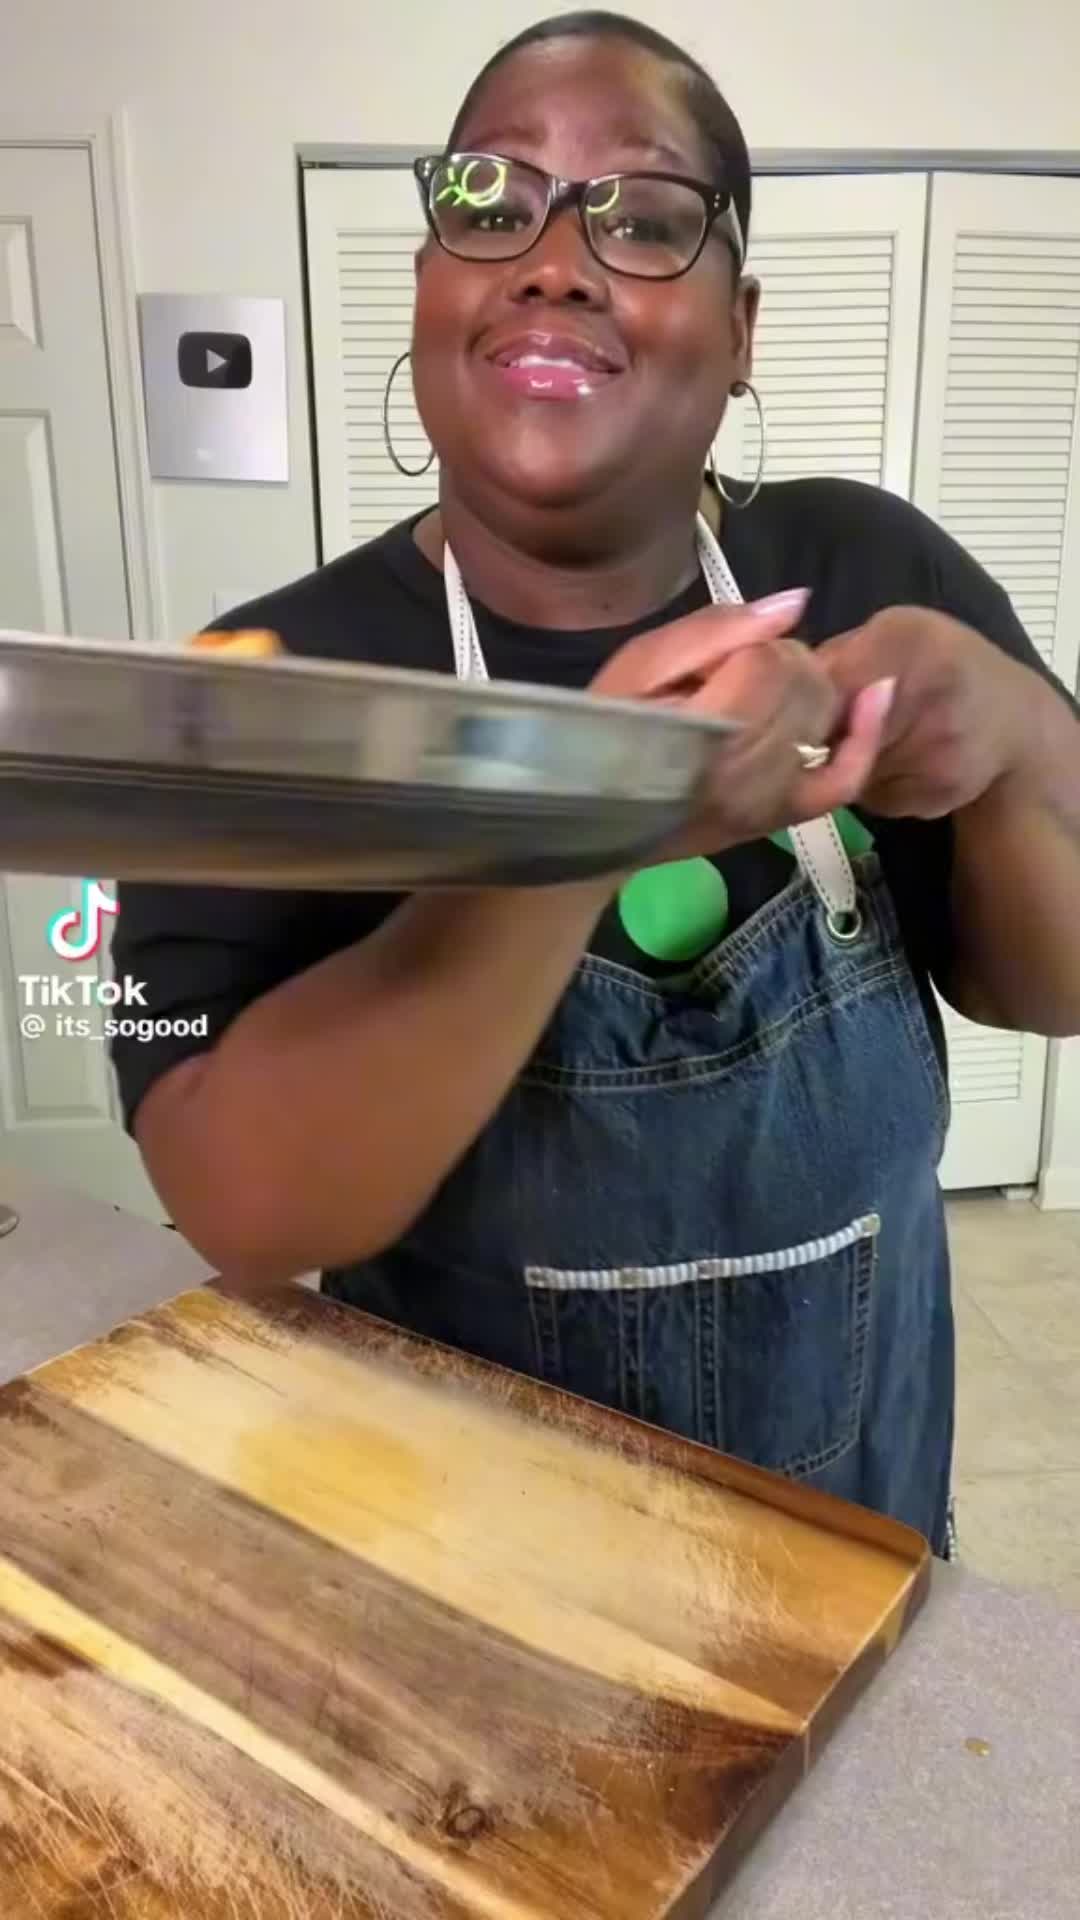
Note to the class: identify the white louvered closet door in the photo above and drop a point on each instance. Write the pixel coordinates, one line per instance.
(840, 261)
(998, 464)
(363, 228)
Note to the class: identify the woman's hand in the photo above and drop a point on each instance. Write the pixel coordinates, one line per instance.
(737, 663)
(984, 739)
(959, 720)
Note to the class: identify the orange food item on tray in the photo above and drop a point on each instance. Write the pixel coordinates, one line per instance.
(249, 644)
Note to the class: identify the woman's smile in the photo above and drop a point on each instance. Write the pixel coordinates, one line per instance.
(541, 364)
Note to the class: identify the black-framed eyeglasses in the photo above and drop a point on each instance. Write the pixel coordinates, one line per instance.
(652, 226)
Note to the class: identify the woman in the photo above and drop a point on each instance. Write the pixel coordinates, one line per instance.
(669, 1140)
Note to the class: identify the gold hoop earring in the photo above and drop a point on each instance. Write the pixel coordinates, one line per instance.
(741, 387)
(411, 473)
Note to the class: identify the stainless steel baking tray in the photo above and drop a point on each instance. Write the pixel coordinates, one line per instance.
(142, 763)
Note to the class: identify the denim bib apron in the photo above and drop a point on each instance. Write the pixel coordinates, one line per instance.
(712, 1201)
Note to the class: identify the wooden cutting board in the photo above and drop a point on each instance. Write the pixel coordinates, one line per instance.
(304, 1619)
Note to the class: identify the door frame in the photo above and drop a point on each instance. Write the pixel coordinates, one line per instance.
(349, 153)
(105, 142)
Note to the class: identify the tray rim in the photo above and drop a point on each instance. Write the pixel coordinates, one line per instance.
(533, 698)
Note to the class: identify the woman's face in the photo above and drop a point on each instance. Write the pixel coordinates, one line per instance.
(664, 354)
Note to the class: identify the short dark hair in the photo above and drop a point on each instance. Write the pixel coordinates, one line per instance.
(710, 111)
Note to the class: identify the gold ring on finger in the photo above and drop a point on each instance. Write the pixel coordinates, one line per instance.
(813, 757)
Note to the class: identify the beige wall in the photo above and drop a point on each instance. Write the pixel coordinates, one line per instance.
(217, 93)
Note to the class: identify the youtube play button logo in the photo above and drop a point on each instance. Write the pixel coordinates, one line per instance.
(214, 359)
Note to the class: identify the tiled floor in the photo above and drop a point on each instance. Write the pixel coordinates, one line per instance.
(1017, 1277)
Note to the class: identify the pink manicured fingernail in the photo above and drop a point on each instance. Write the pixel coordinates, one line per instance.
(778, 606)
(881, 693)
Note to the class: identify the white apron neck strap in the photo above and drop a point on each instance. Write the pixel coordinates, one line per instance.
(469, 662)
(819, 849)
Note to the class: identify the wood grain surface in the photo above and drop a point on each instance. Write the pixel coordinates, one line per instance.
(302, 1618)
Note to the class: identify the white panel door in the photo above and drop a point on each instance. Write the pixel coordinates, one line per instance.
(840, 261)
(363, 228)
(998, 464)
(61, 571)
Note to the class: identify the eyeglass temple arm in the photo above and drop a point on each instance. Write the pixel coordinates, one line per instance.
(731, 212)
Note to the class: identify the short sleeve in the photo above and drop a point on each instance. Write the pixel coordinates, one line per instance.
(917, 855)
(966, 591)
(195, 957)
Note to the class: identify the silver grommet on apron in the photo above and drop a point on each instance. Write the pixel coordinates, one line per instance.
(845, 927)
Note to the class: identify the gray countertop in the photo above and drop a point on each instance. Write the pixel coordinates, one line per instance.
(901, 1819)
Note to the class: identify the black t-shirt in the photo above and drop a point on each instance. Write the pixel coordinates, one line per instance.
(212, 950)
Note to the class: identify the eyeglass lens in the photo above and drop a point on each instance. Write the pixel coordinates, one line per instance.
(489, 209)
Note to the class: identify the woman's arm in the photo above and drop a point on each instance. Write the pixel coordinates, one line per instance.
(335, 1104)
(330, 1110)
(1016, 882)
